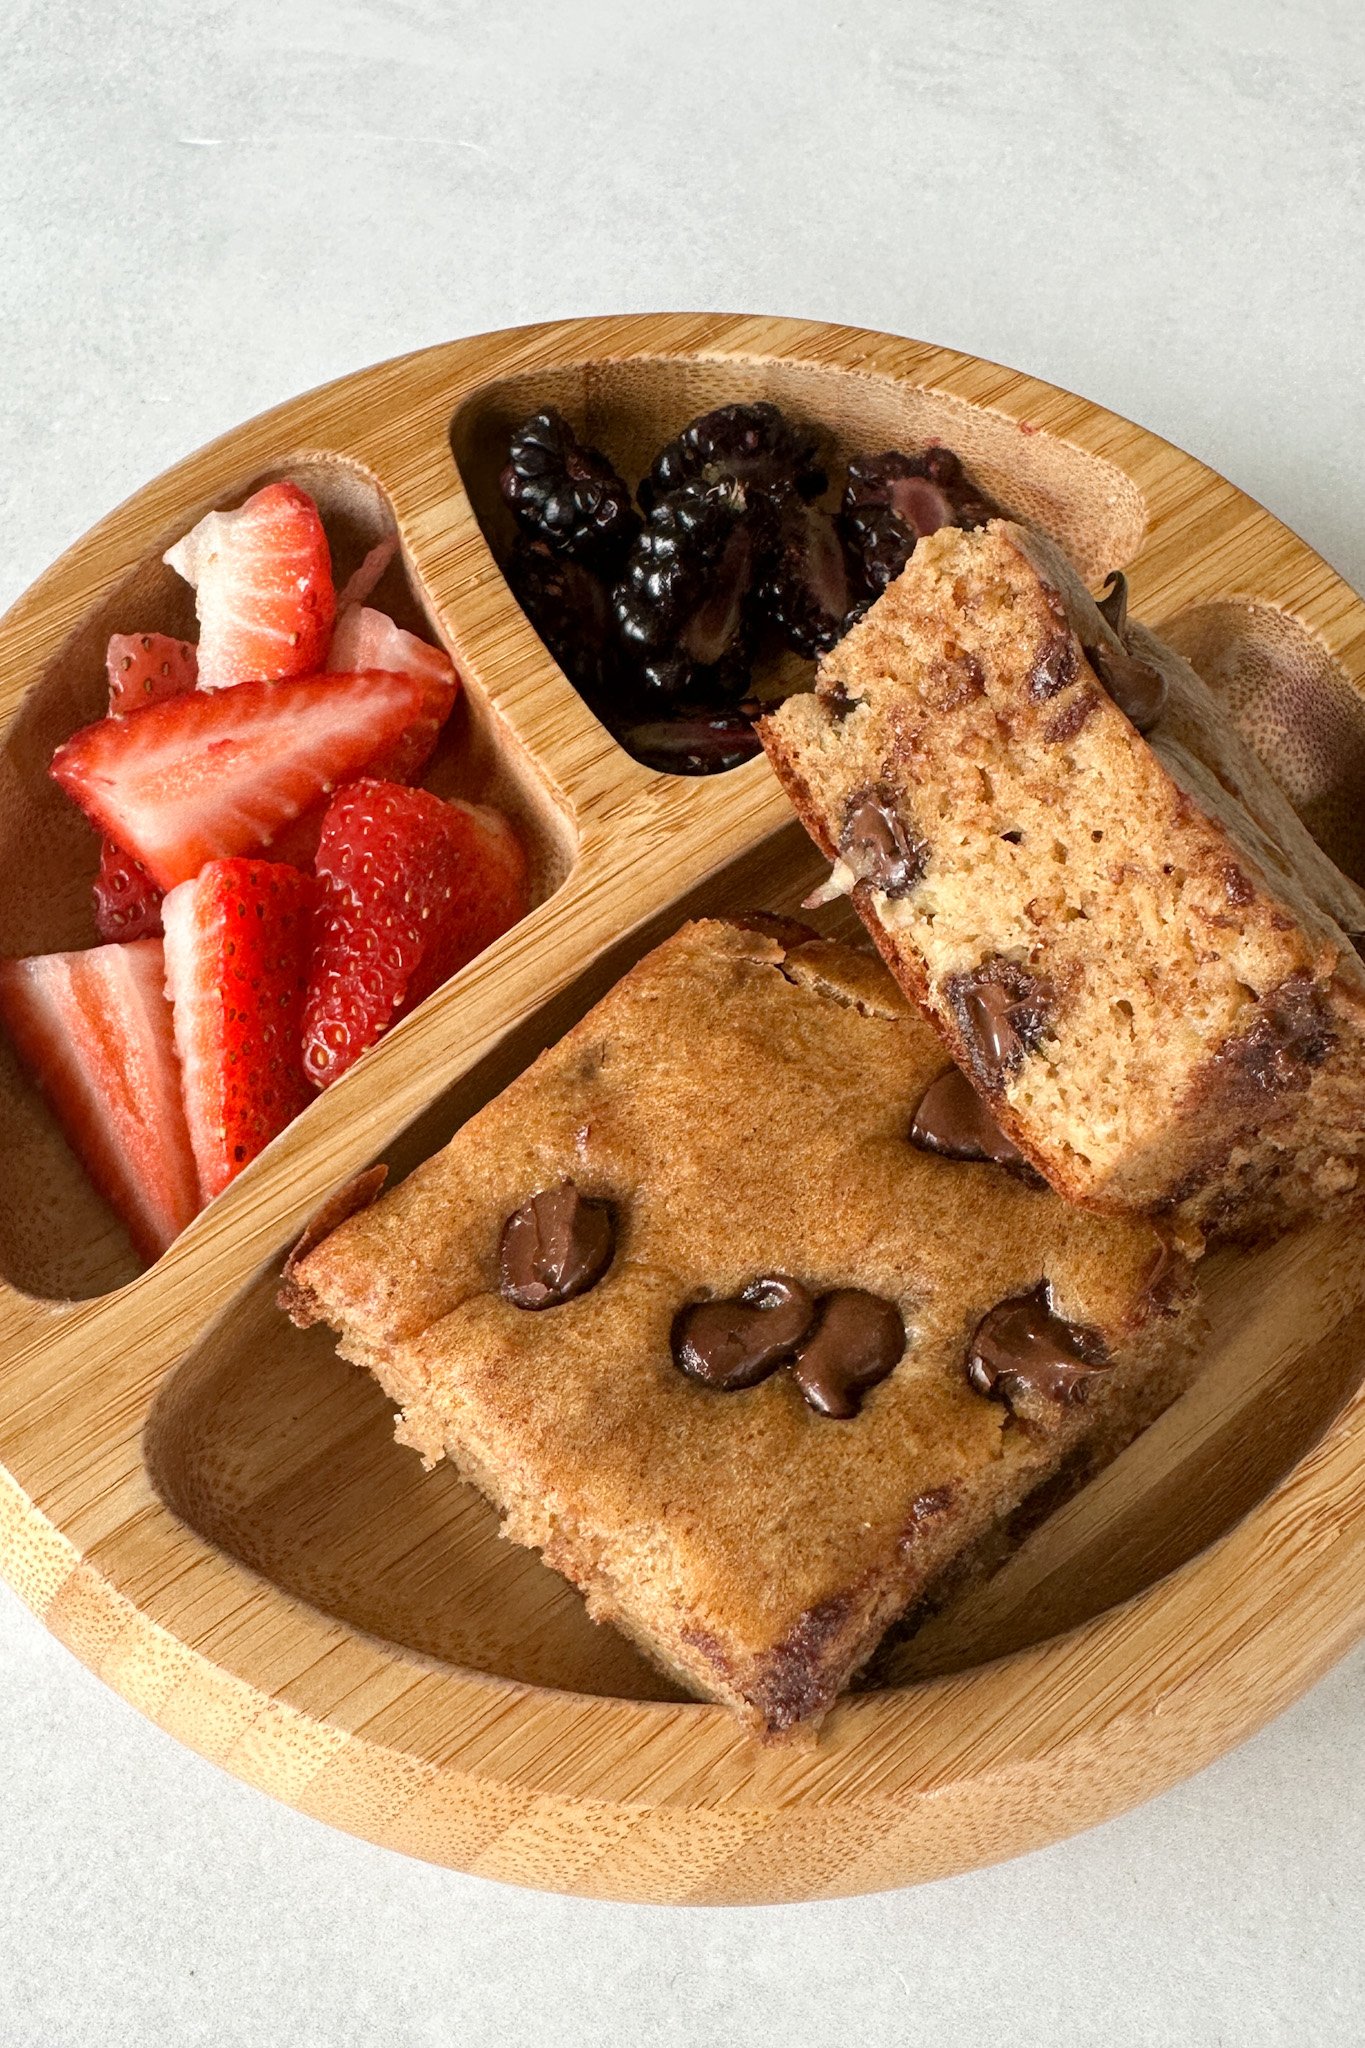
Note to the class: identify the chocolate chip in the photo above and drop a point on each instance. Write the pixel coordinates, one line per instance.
(1113, 606)
(737, 1342)
(1136, 686)
(953, 1121)
(1053, 668)
(556, 1246)
(1064, 725)
(878, 848)
(1237, 887)
(1021, 1347)
(858, 1340)
(1001, 1011)
(1358, 941)
(1292, 1034)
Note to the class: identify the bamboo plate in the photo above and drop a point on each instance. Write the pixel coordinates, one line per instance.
(209, 1509)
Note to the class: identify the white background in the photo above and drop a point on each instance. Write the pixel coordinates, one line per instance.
(206, 208)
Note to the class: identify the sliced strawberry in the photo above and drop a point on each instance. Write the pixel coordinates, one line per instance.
(127, 900)
(217, 773)
(144, 667)
(262, 579)
(296, 843)
(363, 580)
(414, 888)
(367, 639)
(94, 1030)
(238, 944)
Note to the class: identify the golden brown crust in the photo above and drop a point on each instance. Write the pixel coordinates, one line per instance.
(744, 1106)
(1161, 895)
(348, 1200)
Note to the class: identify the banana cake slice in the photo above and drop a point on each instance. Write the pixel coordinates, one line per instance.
(1095, 889)
(743, 1313)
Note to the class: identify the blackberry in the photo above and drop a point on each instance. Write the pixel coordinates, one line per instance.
(680, 681)
(570, 608)
(804, 588)
(694, 743)
(753, 444)
(893, 500)
(684, 605)
(567, 495)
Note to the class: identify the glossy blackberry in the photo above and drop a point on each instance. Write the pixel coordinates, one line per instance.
(680, 682)
(694, 743)
(684, 604)
(805, 588)
(567, 495)
(753, 444)
(893, 500)
(570, 608)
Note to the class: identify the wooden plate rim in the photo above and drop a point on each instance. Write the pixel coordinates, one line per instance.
(1287, 1581)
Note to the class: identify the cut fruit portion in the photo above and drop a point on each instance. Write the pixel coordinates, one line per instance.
(127, 900)
(238, 944)
(413, 889)
(94, 1030)
(218, 773)
(367, 639)
(363, 580)
(145, 667)
(262, 579)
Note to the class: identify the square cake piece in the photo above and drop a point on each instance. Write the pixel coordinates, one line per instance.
(1131, 943)
(726, 1307)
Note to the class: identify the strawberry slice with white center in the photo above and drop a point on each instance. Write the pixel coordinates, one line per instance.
(94, 1030)
(217, 773)
(367, 639)
(145, 667)
(142, 668)
(413, 888)
(262, 579)
(239, 938)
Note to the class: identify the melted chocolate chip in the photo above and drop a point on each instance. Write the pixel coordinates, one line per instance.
(1113, 606)
(858, 1340)
(1291, 1036)
(738, 1342)
(556, 1246)
(1237, 887)
(1136, 686)
(1064, 725)
(1001, 1011)
(1021, 1347)
(953, 1121)
(1053, 668)
(878, 848)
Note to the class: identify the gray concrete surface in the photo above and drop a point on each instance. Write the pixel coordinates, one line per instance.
(204, 209)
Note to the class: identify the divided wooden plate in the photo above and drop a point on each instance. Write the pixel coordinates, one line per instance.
(209, 1509)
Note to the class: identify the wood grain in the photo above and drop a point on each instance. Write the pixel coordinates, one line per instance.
(209, 1509)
